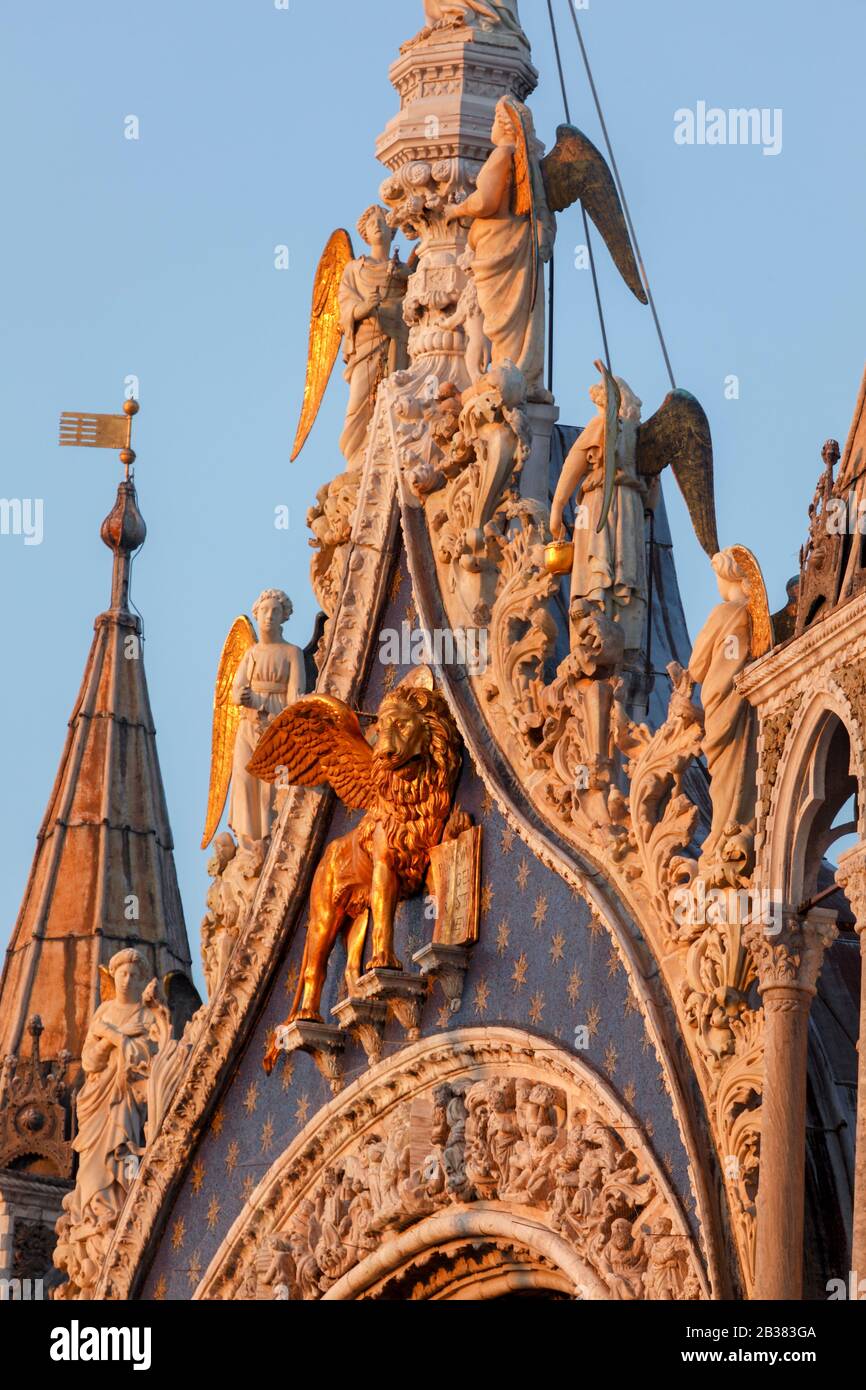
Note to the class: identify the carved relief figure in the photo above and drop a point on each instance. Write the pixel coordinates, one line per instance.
(234, 874)
(735, 632)
(668, 1265)
(255, 681)
(504, 1139)
(404, 783)
(111, 1113)
(469, 317)
(513, 230)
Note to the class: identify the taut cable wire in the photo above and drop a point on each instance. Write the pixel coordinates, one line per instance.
(585, 224)
(610, 154)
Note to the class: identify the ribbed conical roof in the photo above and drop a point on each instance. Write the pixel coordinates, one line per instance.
(103, 876)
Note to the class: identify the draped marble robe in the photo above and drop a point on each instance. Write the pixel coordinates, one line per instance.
(722, 650)
(374, 346)
(503, 270)
(609, 566)
(111, 1111)
(275, 673)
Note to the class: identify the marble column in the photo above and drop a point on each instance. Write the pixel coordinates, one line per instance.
(788, 959)
(851, 876)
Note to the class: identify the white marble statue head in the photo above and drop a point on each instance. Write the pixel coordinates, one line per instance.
(373, 223)
(630, 404)
(732, 582)
(128, 970)
(273, 605)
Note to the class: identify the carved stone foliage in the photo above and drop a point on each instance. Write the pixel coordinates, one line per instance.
(470, 508)
(774, 732)
(447, 1131)
(34, 1110)
(235, 877)
(788, 957)
(330, 521)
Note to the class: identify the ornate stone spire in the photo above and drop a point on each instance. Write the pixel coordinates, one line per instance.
(103, 876)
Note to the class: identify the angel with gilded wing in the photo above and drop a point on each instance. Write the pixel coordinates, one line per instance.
(357, 302)
(404, 782)
(612, 470)
(513, 230)
(256, 680)
(737, 632)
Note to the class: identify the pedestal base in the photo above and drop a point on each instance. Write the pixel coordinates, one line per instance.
(365, 1020)
(401, 993)
(448, 965)
(324, 1043)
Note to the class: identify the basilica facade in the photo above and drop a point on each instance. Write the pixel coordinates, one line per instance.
(532, 969)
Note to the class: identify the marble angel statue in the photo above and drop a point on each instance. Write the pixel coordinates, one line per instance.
(611, 471)
(512, 212)
(737, 632)
(255, 682)
(357, 302)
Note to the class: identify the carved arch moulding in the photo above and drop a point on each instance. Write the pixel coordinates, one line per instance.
(795, 748)
(482, 1158)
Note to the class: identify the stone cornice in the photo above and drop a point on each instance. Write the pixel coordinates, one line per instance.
(841, 635)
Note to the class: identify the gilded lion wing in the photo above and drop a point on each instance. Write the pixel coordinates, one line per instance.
(318, 739)
(325, 331)
(574, 169)
(679, 434)
(226, 717)
(759, 607)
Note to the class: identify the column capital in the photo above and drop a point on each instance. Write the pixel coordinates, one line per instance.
(788, 956)
(851, 878)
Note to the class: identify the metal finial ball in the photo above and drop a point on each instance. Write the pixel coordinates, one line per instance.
(131, 407)
(127, 457)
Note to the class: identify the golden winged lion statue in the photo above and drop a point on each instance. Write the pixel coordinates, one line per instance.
(404, 782)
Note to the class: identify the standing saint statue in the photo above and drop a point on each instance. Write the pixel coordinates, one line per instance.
(257, 678)
(512, 231)
(734, 634)
(517, 194)
(375, 334)
(609, 568)
(111, 1114)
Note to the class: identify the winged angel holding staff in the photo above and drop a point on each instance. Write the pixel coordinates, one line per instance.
(513, 230)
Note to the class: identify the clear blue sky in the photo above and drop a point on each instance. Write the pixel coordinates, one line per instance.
(257, 128)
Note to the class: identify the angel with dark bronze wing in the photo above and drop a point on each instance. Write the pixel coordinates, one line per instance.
(513, 209)
(612, 472)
